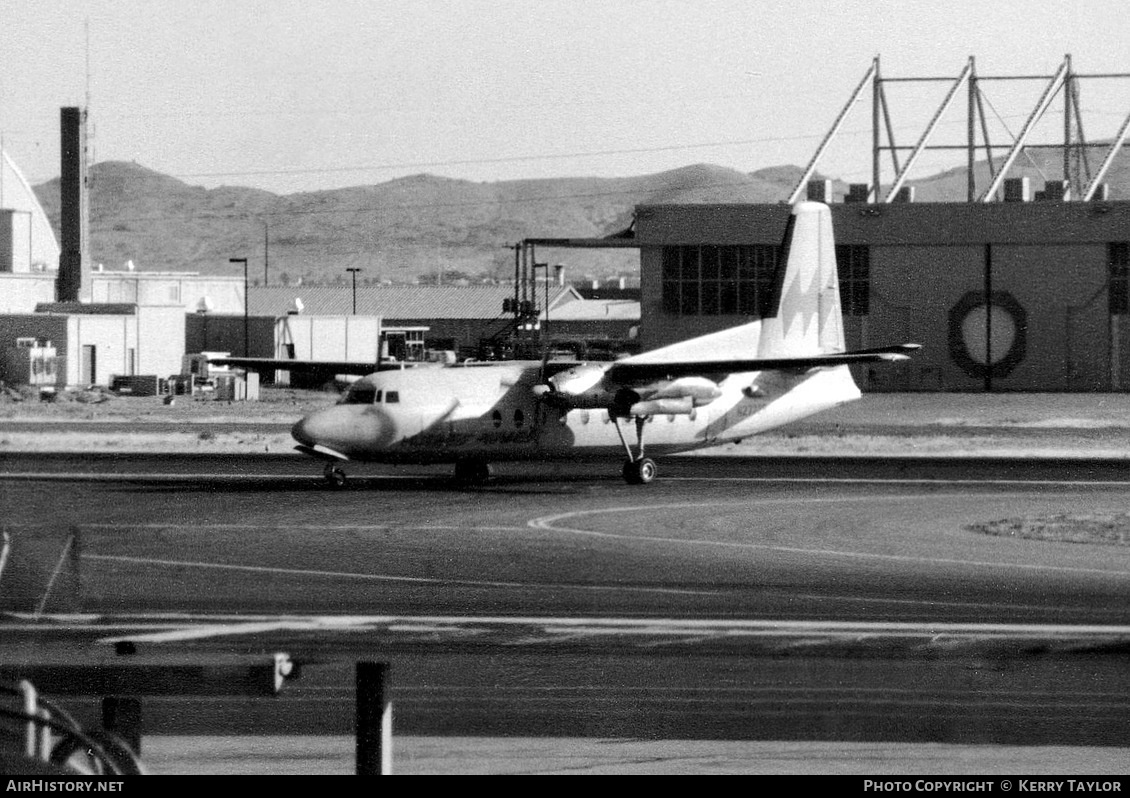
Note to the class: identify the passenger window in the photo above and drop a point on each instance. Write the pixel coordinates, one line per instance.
(392, 397)
(519, 418)
(496, 419)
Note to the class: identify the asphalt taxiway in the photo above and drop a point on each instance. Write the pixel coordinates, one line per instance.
(888, 610)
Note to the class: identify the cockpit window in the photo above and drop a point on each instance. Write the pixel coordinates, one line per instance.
(361, 393)
(392, 397)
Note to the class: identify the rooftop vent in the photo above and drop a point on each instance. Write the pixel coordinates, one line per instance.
(1017, 189)
(857, 192)
(1054, 190)
(820, 191)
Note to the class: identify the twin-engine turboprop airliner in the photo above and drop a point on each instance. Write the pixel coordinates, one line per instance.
(706, 391)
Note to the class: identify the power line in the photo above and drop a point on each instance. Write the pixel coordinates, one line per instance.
(506, 159)
(527, 158)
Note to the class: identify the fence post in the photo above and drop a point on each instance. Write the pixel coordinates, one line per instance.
(122, 716)
(374, 720)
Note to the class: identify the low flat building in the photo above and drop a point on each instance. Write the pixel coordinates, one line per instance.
(457, 318)
(96, 342)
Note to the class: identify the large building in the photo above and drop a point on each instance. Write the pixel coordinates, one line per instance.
(1004, 296)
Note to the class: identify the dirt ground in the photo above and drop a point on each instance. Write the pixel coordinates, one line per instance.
(1086, 425)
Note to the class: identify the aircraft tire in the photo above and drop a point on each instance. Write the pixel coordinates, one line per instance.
(335, 477)
(639, 472)
(472, 472)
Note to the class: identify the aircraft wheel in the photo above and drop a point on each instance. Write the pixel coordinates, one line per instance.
(639, 472)
(647, 470)
(472, 472)
(335, 477)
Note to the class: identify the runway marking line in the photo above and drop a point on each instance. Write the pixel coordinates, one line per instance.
(548, 523)
(387, 578)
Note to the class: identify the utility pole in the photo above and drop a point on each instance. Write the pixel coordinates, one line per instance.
(353, 270)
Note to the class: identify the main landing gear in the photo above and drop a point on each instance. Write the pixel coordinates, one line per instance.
(472, 472)
(335, 477)
(638, 470)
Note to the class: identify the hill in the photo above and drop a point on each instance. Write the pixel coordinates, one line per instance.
(398, 230)
(411, 228)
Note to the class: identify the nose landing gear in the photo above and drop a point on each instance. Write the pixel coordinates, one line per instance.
(472, 472)
(335, 477)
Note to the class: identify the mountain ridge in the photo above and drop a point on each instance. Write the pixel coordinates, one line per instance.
(425, 227)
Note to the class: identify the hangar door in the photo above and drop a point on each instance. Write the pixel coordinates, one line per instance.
(1048, 326)
(999, 317)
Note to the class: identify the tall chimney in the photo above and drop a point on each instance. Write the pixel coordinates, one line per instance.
(73, 282)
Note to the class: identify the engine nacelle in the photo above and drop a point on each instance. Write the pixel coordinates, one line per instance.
(699, 389)
(581, 387)
(658, 407)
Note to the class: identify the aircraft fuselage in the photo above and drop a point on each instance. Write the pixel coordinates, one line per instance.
(491, 412)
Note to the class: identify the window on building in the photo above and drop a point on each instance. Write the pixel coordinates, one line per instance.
(1118, 258)
(853, 266)
(714, 280)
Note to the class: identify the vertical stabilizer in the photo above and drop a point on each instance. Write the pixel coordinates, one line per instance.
(808, 320)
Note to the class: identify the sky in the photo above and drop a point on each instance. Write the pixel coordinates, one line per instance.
(293, 96)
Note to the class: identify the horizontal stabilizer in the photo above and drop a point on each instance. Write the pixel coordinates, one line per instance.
(643, 371)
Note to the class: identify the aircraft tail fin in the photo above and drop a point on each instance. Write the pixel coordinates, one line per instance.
(809, 320)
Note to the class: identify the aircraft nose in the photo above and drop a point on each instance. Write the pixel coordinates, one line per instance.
(343, 428)
(302, 432)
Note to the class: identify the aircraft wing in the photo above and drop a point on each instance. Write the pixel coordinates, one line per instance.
(624, 371)
(308, 366)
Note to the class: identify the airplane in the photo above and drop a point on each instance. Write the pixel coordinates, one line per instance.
(711, 390)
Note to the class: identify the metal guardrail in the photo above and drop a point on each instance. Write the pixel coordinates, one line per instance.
(47, 737)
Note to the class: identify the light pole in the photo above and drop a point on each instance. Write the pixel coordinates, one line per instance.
(545, 327)
(266, 253)
(353, 270)
(246, 348)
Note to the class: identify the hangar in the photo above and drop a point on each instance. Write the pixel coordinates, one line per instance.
(1007, 296)
(1006, 291)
